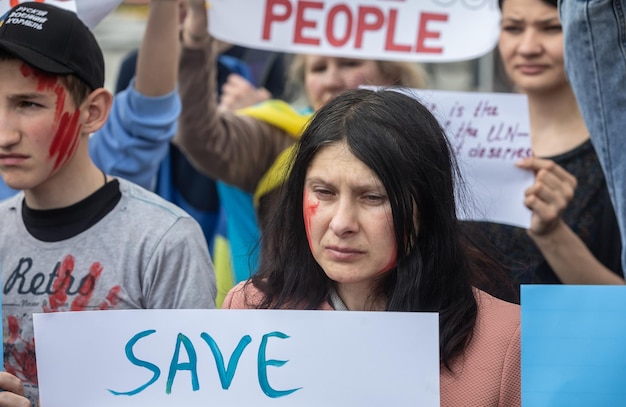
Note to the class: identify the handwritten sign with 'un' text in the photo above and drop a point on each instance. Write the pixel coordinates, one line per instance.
(190, 358)
(488, 133)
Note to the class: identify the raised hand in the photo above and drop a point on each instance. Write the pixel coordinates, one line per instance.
(238, 93)
(550, 194)
(195, 26)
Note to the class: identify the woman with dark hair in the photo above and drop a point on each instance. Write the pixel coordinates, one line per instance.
(573, 237)
(246, 150)
(368, 222)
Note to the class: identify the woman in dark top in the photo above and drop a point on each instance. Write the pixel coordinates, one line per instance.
(574, 236)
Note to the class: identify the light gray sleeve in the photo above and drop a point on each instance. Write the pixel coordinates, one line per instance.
(180, 272)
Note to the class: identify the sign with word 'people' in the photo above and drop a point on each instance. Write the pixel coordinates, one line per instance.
(91, 12)
(190, 358)
(409, 30)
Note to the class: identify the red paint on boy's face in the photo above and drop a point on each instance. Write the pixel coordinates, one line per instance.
(67, 131)
(308, 210)
(66, 138)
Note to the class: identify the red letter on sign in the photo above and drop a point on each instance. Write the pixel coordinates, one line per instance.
(270, 17)
(301, 23)
(391, 29)
(362, 25)
(330, 25)
(422, 34)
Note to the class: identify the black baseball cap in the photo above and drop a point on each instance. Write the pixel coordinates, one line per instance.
(53, 40)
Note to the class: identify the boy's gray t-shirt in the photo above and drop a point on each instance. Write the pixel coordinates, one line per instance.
(145, 254)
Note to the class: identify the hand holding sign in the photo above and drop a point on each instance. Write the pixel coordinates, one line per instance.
(12, 391)
(548, 197)
(197, 6)
(195, 25)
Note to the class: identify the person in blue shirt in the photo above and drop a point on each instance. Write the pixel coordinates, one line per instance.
(176, 179)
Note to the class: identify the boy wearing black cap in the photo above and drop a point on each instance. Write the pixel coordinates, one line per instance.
(76, 238)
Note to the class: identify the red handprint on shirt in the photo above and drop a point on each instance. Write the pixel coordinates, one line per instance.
(19, 351)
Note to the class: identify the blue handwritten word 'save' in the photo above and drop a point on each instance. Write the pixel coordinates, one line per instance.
(226, 373)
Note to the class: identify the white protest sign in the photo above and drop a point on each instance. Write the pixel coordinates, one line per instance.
(94, 11)
(236, 358)
(425, 30)
(91, 12)
(488, 132)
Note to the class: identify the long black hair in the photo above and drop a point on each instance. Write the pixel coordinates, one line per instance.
(404, 145)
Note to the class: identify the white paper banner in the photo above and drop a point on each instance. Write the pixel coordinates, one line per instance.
(411, 30)
(192, 358)
(91, 12)
(489, 132)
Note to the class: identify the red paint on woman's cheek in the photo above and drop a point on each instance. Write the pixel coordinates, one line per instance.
(393, 261)
(309, 209)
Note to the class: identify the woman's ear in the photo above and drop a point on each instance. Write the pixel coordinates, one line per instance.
(96, 108)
